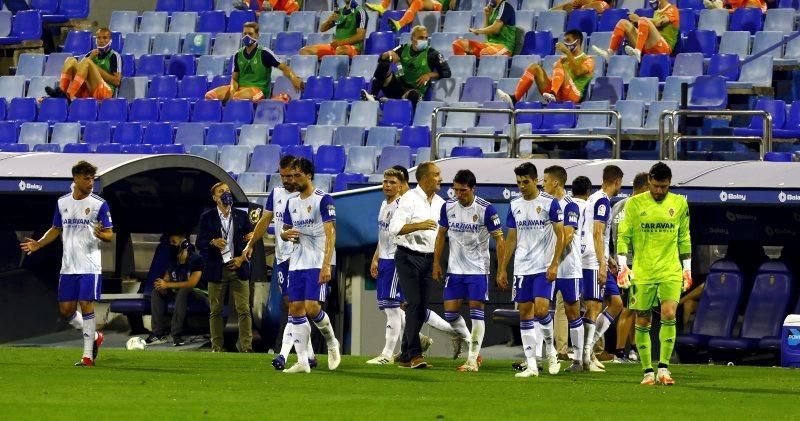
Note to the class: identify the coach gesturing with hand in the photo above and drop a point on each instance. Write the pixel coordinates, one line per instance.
(414, 225)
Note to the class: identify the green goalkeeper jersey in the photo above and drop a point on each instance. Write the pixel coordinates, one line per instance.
(659, 232)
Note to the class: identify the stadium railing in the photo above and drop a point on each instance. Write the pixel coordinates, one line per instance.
(670, 139)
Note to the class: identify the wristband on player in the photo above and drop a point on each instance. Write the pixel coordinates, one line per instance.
(687, 264)
(622, 260)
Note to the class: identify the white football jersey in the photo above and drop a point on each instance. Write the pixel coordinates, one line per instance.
(77, 219)
(536, 238)
(308, 216)
(276, 203)
(570, 266)
(598, 208)
(469, 228)
(386, 245)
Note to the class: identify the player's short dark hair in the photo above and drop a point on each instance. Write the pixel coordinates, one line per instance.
(403, 170)
(581, 186)
(84, 168)
(612, 173)
(558, 172)
(305, 166)
(465, 177)
(660, 172)
(578, 35)
(253, 25)
(526, 169)
(640, 181)
(287, 162)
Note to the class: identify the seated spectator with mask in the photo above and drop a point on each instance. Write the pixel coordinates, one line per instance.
(181, 280)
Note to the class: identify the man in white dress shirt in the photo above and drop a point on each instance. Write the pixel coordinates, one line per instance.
(414, 226)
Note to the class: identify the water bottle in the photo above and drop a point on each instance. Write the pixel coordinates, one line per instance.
(400, 71)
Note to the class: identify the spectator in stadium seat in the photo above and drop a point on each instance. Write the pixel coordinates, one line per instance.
(732, 5)
(288, 6)
(97, 75)
(598, 6)
(252, 70)
(348, 39)
(182, 279)
(224, 232)
(414, 6)
(417, 65)
(646, 36)
(571, 74)
(500, 29)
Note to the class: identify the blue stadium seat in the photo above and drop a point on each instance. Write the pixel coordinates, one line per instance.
(33, 133)
(238, 112)
(233, 158)
(169, 149)
(123, 21)
(265, 159)
(622, 66)
(150, 65)
(383, 24)
(536, 5)
(269, 113)
(691, 5)
(283, 85)
(330, 159)
(318, 135)
(274, 22)
(198, 5)
(183, 22)
(394, 155)
(30, 64)
(643, 89)
(493, 67)
(21, 110)
(153, 22)
(779, 20)
(210, 66)
(468, 151)
(197, 43)
(362, 159)
(238, 18)
(8, 132)
(609, 18)
(382, 136)
(655, 65)
(128, 133)
(755, 73)
(319, 38)
(133, 87)
(349, 88)
(700, 41)
(766, 308)
(169, 5)
(714, 19)
(157, 134)
(288, 43)
(97, 132)
(735, 42)
(14, 147)
(55, 61)
(304, 22)
(650, 127)
(348, 136)
(304, 66)
(584, 20)
(137, 44)
(432, 20)
(341, 181)
(181, 65)
(607, 88)
(553, 21)
(286, 134)
(422, 115)
(299, 151)
(64, 133)
(631, 115)
(3, 106)
(207, 111)
(552, 123)
(776, 108)
(457, 21)
(78, 42)
(478, 89)
(211, 21)
(82, 110)
(25, 26)
(47, 147)
(332, 113)
(76, 148)
(364, 114)
(252, 135)
(415, 137)
(175, 111)
(538, 43)
(128, 66)
(791, 127)
(396, 113)
(746, 19)
(672, 87)
(190, 134)
(36, 88)
(588, 123)
(209, 152)
(525, 20)
(725, 65)
(334, 66)
(143, 110)
(221, 134)
(709, 93)
(12, 87)
(766, 39)
(380, 42)
(687, 21)
(443, 42)
(519, 64)
(114, 110)
(5, 23)
(163, 87)
(52, 110)
(166, 44)
(141, 149)
(301, 112)
(462, 67)
(226, 44)
(688, 64)
(252, 181)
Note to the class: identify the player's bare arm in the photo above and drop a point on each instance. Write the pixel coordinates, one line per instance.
(30, 245)
(509, 246)
(258, 232)
(600, 250)
(330, 243)
(437, 253)
(552, 271)
(502, 276)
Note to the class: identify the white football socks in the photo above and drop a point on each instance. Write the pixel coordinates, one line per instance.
(576, 336)
(394, 324)
(323, 323)
(301, 331)
(287, 341)
(89, 330)
(529, 341)
(76, 320)
(437, 322)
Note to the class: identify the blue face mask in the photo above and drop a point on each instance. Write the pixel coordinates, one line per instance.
(421, 44)
(653, 4)
(493, 3)
(226, 198)
(247, 40)
(572, 46)
(104, 49)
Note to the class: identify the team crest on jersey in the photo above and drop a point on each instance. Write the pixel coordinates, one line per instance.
(474, 218)
(671, 212)
(308, 209)
(538, 209)
(388, 215)
(87, 211)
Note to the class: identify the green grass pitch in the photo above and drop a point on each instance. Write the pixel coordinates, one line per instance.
(38, 383)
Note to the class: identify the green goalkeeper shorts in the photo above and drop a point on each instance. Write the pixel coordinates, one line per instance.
(647, 296)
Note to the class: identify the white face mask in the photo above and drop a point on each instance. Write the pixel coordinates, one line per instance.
(420, 44)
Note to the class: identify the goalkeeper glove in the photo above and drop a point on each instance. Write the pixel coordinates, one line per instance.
(687, 274)
(624, 274)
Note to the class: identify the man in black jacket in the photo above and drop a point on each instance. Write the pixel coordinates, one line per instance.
(223, 235)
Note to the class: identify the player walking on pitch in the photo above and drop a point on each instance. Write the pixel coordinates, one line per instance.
(656, 226)
(469, 222)
(83, 219)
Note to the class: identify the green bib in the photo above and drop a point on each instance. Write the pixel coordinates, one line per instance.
(581, 82)
(346, 26)
(252, 72)
(507, 35)
(414, 67)
(669, 32)
(105, 64)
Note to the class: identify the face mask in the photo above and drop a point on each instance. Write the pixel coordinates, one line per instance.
(105, 48)
(572, 46)
(226, 199)
(653, 4)
(493, 3)
(421, 44)
(247, 40)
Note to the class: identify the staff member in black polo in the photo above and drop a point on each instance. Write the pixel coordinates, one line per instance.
(223, 234)
(414, 225)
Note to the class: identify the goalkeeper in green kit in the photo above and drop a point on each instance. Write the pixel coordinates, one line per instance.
(656, 227)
